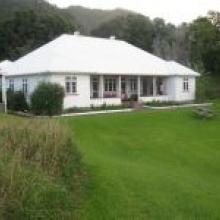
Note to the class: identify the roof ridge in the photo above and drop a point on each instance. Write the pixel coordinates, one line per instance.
(93, 37)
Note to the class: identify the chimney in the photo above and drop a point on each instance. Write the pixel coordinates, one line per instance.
(76, 33)
(112, 37)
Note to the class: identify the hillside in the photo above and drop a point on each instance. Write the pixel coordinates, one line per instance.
(35, 23)
(8, 7)
(91, 19)
(86, 19)
(41, 7)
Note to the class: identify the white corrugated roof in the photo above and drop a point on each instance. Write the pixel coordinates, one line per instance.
(176, 68)
(81, 54)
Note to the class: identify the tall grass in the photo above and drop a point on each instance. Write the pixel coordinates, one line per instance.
(41, 175)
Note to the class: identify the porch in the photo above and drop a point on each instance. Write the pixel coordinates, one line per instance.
(124, 88)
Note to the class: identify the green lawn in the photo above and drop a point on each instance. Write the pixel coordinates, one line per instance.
(150, 165)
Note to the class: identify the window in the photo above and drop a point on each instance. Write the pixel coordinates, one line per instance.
(185, 84)
(71, 85)
(11, 84)
(25, 86)
(110, 84)
(94, 87)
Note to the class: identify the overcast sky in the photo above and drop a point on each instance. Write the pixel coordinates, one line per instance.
(175, 11)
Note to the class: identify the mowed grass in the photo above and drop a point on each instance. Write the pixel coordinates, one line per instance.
(150, 165)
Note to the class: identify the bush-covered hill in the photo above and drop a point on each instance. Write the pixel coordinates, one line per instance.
(91, 19)
(42, 7)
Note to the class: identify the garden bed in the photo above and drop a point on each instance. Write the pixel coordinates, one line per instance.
(95, 109)
(97, 112)
(180, 105)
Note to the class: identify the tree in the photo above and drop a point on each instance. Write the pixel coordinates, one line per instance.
(204, 40)
(181, 45)
(16, 101)
(135, 29)
(163, 39)
(47, 99)
(27, 30)
(214, 17)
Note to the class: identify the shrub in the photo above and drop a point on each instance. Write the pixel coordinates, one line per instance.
(204, 113)
(16, 101)
(104, 106)
(41, 175)
(47, 99)
(207, 88)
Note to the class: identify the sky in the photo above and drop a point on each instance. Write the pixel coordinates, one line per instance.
(175, 11)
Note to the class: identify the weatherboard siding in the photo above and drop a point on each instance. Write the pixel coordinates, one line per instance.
(82, 96)
(173, 85)
(33, 81)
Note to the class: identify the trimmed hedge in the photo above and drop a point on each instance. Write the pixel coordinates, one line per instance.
(47, 99)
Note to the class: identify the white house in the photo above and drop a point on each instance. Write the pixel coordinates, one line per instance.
(96, 71)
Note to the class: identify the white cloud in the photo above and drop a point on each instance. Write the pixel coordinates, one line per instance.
(174, 11)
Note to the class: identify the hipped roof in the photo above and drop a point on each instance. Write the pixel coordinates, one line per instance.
(82, 54)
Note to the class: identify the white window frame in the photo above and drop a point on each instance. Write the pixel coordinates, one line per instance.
(12, 85)
(186, 84)
(71, 85)
(25, 86)
(110, 84)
